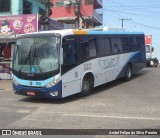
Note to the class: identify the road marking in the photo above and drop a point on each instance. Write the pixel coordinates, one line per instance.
(24, 111)
(6, 89)
(15, 109)
(115, 117)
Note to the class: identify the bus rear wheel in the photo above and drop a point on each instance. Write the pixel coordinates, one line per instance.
(128, 73)
(87, 86)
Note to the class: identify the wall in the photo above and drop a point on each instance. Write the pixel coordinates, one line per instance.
(17, 7)
(86, 10)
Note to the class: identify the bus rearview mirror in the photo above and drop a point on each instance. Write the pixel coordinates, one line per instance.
(152, 49)
(61, 56)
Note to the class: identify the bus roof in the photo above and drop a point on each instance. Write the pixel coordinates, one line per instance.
(84, 32)
(93, 32)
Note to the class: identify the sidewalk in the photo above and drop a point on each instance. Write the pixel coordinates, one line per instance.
(5, 84)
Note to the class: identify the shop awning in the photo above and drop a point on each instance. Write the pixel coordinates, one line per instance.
(7, 39)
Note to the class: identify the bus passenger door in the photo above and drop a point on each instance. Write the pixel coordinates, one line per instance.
(70, 76)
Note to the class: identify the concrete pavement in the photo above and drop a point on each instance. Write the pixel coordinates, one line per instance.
(5, 84)
(115, 105)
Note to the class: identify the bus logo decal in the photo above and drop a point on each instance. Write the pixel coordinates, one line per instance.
(33, 69)
(109, 63)
(87, 66)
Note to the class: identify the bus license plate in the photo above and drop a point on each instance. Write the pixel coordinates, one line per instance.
(31, 93)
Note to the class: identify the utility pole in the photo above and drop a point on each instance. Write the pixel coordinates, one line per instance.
(47, 7)
(124, 19)
(78, 14)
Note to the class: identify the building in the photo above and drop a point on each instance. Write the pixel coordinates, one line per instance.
(78, 13)
(16, 17)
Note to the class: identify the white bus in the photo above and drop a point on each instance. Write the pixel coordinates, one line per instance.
(57, 64)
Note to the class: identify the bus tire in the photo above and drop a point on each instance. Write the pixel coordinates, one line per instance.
(129, 73)
(87, 86)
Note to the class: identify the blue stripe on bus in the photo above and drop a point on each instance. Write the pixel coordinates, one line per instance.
(114, 32)
(131, 56)
(123, 70)
(34, 83)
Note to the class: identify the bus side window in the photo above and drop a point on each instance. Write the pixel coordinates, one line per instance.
(127, 44)
(103, 46)
(84, 49)
(139, 43)
(87, 48)
(69, 52)
(92, 47)
(116, 45)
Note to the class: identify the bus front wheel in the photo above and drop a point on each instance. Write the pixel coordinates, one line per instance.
(87, 86)
(128, 73)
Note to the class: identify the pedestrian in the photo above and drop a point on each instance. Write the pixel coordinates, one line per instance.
(156, 62)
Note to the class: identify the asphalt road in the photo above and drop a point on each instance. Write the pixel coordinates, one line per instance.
(116, 105)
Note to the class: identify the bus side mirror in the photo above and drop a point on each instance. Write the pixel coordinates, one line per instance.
(152, 49)
(61, 56)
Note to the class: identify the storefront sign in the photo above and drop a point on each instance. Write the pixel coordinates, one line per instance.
(18, 24)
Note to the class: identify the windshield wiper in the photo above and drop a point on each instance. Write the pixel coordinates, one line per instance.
(30, 59)
(35, 56)
(26, 60)
(20, 68)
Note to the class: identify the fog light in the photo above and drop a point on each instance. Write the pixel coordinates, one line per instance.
(54, 93)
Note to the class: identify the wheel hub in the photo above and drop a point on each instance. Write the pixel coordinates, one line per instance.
(85, 86)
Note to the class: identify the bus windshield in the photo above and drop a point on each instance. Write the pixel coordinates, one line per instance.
(36, 55)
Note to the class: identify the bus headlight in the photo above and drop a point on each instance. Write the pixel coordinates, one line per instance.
(52, 83)
(15, 82)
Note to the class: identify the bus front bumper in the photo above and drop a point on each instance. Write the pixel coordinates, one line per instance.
(44, 92)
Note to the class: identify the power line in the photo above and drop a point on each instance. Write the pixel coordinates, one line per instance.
(130, 13)
(120, 8)
(148, 26)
